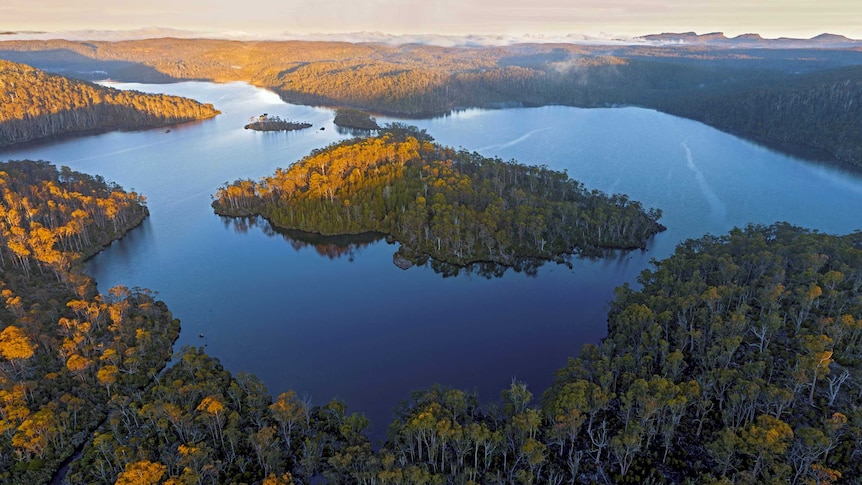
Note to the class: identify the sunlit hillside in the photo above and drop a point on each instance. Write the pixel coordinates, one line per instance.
(39, 105)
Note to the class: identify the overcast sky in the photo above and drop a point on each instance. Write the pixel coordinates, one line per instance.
(770, 18)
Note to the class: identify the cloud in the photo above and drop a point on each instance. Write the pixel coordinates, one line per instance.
(771, 18)
(352, 37)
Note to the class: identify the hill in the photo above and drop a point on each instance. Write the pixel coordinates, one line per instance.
(821, 110)
(37, 105)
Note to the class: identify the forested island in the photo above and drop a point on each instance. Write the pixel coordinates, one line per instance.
(355, 119)
(787, 94)
(37, 105)
(265, 122)
(453, 206)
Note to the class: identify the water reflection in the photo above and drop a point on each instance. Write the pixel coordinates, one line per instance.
(485, 269)
(343, 130)
(351, 245)
(332, 247)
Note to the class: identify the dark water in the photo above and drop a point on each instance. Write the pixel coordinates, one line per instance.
(336, 319)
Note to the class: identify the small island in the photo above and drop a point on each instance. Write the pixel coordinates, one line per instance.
(451, 206)
(265, 122)
(355, 119)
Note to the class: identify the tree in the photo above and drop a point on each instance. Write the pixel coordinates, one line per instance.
(15, 345)
(290, 413)
(107, 376)
(141, 473)
(766, 441)
(815, 363)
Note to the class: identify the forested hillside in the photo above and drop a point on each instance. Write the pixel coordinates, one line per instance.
(454, 206)
(769, 87)
(822, 110)
(65, 351)
(37, 105)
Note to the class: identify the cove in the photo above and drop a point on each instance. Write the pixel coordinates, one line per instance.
(336, 319)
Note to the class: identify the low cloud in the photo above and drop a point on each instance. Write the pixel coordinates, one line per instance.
(352, 37)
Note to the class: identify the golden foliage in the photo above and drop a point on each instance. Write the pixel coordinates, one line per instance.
(141, 473)
(14, 344)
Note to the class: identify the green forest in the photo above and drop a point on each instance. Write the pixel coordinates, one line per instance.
(736, 361)
(453, 206)
(789, 98)
(37, 105)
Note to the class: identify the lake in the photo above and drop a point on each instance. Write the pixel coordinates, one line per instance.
(336, 321)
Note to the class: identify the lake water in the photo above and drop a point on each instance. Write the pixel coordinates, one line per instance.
(348, 324)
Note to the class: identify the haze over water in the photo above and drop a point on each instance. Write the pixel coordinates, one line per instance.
(358, 328)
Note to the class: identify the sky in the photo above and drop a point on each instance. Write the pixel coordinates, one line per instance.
(770, 18)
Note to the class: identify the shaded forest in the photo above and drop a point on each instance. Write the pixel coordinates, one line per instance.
(737, 362)
(821, 110)
(37, 105)
(355, 119)
(453, 206)
(785, 97)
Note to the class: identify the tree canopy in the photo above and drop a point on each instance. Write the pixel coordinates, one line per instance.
(66, 351)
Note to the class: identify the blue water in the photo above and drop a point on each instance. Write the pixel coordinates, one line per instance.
(358, 328)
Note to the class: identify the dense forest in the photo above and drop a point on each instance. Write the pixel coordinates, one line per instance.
(66, 351)
(453, 206)
(37, 105)
(822, 110)
(775, 95)
(737, 362)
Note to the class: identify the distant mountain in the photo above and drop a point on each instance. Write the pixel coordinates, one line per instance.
(21, 32)
(38, 105)
(752, 40)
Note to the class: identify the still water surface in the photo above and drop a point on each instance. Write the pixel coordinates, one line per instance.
(353, 326)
